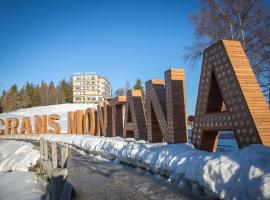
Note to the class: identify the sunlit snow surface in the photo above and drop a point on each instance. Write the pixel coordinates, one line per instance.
(15, 181)
(238, 174)
(20, 185)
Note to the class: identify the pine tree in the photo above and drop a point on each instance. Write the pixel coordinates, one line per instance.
(51, 94)
(1, 110)
(25, 99)
(29, 87)
(68, 92)
(11, 99)
(62, 91)
(36, 101)
(138, 86)
(44, 90)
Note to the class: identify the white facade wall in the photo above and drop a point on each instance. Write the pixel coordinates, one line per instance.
(90, 88)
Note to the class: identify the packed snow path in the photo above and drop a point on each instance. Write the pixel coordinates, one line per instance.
(102, 179)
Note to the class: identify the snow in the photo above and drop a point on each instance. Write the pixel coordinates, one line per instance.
(16, 182)
(21, 185)
(17, 155)
(238, 174)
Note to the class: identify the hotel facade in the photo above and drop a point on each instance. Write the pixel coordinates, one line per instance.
(90, 88)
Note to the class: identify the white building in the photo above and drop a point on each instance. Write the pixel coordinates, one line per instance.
(90, 88)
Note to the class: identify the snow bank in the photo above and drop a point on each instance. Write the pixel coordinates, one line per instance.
(21, 185)
(60, 109)
(17, 155)
(240, 174)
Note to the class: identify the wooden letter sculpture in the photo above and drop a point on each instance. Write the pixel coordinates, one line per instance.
(41, 124)
(11, 126)
(166, 108)
(117, 105)
(135, 122)
(26, 126)
(76, 122)
(227, 77)
(51, 122)
(2, 123)
(89, 121)
(109, 119)
(102, 118)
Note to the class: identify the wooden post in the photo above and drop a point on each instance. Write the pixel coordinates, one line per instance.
(45, 150)
(41, 148)
(54, 155)
(64, 156)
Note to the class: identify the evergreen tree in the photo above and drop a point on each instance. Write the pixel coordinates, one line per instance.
(1, 104)
(62, 91)
(29, 87)
(36, 101)
(51, 94)
(25, 99)
(68, 92)
(44, 93)
(11, 99)
(138, 85)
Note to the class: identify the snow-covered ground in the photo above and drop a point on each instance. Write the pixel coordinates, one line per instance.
(15, 181)
(238, 174)
(21, 185)
(60, 109)
(17, 156)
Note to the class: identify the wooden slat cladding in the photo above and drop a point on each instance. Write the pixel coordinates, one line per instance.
(227, 77)
(135, 122)
(117, 105)
(165, 108)
(176, 106)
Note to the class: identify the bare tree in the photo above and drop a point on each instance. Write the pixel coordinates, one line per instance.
(126, 87)
(247, 21)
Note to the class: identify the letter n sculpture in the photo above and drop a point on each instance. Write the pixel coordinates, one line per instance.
(166, 108)
(227, 78)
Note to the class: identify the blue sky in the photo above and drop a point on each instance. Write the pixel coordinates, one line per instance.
(122, 40)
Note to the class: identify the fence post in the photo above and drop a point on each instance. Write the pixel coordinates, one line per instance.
(45, 150)
(64, 156)
(54, 155)
(41, 142)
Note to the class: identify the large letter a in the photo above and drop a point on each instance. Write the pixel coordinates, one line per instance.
(227, 77)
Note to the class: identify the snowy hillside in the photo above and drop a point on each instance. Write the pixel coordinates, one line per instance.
(60, 109)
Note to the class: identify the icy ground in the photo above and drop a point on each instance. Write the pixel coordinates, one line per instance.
(238, 174)
(15, 181)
